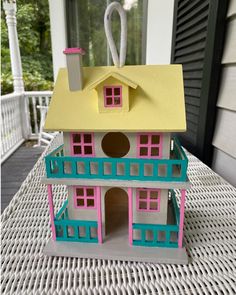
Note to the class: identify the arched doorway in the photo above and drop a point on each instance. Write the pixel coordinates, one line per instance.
(116, 213)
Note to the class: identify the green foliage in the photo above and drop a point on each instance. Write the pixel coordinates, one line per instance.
(33, 28)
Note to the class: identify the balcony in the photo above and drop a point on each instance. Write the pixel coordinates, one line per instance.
(173, 169)
(149, 235)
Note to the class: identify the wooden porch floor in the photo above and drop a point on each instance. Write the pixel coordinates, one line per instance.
(15, 169)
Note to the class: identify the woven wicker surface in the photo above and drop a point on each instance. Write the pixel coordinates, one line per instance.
(210, 236)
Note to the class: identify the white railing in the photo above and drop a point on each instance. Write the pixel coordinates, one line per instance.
(11, 127)
(33, 100)
(17, 112)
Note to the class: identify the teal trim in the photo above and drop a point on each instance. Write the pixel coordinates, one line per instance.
(155, 228)
(68, 229)
(175, 206)
(59, 166)
(61, 211)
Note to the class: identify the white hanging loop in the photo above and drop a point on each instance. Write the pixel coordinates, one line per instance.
(119, 62)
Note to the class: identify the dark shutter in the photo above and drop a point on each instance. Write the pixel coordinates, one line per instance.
(197, 44)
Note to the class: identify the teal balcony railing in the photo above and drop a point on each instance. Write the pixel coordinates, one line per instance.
(74, 230)
(173, 169)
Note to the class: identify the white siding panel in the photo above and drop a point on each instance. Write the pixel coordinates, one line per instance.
(225, 166)
(225, 132)
(229, 55)
(227, 94)
(232, 8)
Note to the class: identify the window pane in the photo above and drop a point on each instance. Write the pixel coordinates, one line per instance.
(76, 138)
(154, 151)
(85, 28)
(155, 139)
(153, 206)
(79, 192)
(77, 150)
(80, 202)
(88, 150)
(87, 138)
(90, 192)
(109, 91)
(154, 194)
(143, 139)
(109, 101)
(90, 202)
(116, 100)
(143, 151)
(117, 91)
(142, 205)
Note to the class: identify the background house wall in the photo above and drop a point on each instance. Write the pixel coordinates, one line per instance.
(224, 140)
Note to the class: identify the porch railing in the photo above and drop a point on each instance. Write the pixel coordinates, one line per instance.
(174, 169)
(19, 110)
(74, 230)
(160, 235)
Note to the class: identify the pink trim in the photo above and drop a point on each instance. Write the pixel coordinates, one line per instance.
(130, 195)
(99, 211)
(82, 144)
(181, 218)
(74, 50)
(112, 96)
(149, 145)
(51, 211)
(148, 200)
(85, 197)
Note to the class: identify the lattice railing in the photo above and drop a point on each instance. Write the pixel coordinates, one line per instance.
(20, 118)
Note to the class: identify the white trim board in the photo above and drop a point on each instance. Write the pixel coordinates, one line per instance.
(118, 183)
(117, 249)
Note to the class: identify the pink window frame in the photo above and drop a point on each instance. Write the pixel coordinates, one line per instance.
(148, 199)
(82, 144)
(85, 197)
(113, 105)
(149, 145)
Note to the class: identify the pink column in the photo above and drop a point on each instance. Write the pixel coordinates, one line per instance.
(51, 211)
(181, 218)
(99, 211)
(130, 216)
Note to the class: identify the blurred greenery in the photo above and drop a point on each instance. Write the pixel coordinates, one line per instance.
(86, 29)
(33, 28)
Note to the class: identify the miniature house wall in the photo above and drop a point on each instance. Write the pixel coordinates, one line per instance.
(116, 145)
(117, 197)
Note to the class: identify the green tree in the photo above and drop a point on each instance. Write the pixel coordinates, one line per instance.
(33, 28)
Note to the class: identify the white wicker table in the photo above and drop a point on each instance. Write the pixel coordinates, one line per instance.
(210, 236)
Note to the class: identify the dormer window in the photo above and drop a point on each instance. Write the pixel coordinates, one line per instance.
(112, 96)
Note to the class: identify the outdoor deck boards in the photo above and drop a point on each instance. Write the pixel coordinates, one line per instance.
(15, 169)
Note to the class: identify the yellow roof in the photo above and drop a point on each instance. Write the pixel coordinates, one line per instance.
(157, 104)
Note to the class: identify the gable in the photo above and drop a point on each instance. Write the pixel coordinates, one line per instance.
(116, 76)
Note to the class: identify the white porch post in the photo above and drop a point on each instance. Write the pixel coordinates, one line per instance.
(57, 12)
(16, 67)
(10, 10)
(159, 31)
